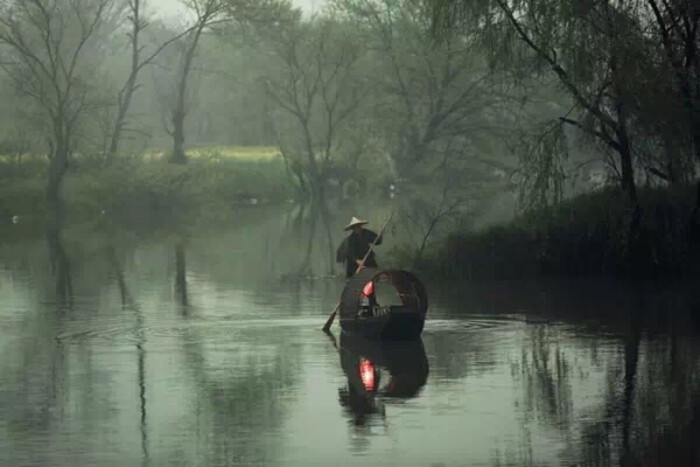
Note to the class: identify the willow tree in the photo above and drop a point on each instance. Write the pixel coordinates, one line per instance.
(591, 47)
(45, 47)
(676, 28)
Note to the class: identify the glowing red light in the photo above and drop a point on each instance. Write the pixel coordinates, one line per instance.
(369, 289)
(367, 374)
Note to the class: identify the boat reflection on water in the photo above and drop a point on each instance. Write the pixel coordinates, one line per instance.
(379, 372)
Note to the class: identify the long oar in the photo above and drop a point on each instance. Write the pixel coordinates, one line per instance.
(329, 323)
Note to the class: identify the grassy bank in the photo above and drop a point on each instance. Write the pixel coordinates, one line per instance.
(214, 178)
(587, 235)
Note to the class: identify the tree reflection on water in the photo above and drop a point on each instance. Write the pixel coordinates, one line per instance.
(190, 349)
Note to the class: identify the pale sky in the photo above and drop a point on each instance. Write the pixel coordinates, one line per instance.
(311, 5)
(173, 7)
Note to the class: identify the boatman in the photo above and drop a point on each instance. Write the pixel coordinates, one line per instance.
(355, 246)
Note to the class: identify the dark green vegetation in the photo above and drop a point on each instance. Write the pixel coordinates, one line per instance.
(589, 235)
(450, 107)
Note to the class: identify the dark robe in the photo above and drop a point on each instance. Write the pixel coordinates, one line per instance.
(354, 247)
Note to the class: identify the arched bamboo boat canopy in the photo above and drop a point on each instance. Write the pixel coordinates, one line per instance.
(404, 321)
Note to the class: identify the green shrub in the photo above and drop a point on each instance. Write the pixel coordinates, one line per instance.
(587, 235)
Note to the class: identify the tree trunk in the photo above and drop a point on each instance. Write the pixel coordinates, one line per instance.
(305, 268)
(329, 236)
(319, 189)
(178, 119)
(628, 184)
(60, 266)
(631, 359)
(180, 275)
(694, 228)
(623, 141)
(58, 164)
(696, 141)
(179, 113)
(53, 192)
(124, 104)
(128, 91)
(637, 245)
(315, 180)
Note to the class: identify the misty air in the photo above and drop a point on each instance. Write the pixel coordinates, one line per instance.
(349, 232)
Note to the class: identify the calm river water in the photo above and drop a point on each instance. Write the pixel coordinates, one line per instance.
(166, 347)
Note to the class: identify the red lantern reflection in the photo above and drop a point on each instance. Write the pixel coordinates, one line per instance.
(367, 374)
(369, 289)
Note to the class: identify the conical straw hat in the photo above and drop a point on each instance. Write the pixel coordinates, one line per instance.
(353, 222)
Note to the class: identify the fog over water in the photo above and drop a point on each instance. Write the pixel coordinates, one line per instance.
(182, 190)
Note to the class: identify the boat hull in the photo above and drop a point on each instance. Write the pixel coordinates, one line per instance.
(397, 323)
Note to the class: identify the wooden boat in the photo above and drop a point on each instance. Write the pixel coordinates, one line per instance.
(360, 317)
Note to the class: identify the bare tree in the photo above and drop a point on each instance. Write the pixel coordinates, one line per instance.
(207, 13)
(424, 218)
(139, 24)
(44, 45)
(432, 92)
(317, 88)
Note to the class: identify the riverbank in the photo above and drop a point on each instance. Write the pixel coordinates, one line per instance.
(584, 236)
(213, 180)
